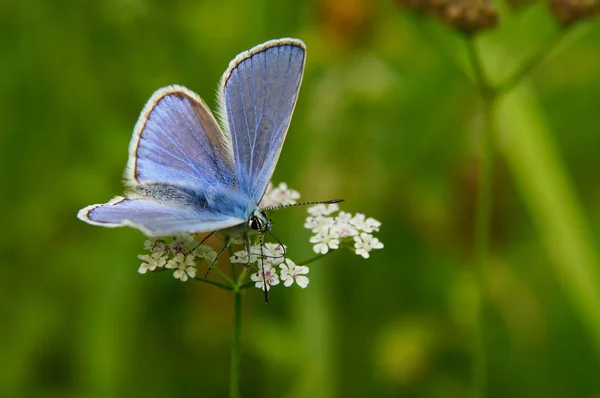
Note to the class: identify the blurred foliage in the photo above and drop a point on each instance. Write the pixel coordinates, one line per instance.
(386, 118)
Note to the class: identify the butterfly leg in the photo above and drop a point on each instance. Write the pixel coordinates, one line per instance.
(280, 245)
(248, 250)
(225, 247)
(201, 242)
(262, 269)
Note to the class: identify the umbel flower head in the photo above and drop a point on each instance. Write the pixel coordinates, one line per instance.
(180, 254)
(268, 264)
(333, 228)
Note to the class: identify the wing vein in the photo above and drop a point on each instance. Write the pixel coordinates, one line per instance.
(210, 154)
(176, 145)
(246, 119)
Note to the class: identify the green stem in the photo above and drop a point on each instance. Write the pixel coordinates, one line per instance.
(482, 244)
(236, 358)
(247, 285)
(242, 276)
(485, 90)
(483, 219)
(313, 259)
(233, 266)
(218, 284)
(534, 60)
(220, 273)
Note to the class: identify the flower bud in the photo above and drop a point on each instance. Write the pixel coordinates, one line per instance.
(568, 12)
(470, 16)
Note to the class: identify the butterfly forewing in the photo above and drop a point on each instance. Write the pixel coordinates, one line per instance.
(178, 141)
(259, 92)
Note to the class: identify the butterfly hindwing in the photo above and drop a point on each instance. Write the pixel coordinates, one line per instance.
(257, 98)
(153, 218)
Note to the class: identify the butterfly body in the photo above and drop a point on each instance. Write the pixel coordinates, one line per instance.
(188, 173)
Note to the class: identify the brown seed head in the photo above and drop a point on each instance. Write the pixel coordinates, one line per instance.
(470, 16)
(568, 12)
(467, 16)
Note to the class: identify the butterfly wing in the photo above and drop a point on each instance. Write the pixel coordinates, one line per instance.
(154, 218)
(257, 98)
(178, 141)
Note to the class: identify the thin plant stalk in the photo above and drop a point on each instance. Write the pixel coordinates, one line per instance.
(489, 96)
(547, 47)
(482, 245)
(236, 355)
(483, 219)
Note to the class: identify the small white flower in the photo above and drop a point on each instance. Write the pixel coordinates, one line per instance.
(273, 253)
(365, 243)
(323, 209)
(344, 229)
(343, 217)
(154, 245)
(182, 243)
(291, 272)
(270, 276)
(183, 273)
(319, 224)
(184, 266)
(366, 225)
(279, 196)
(372, 225)
(241, 257)
(151, 262)
(325, 241)
(179, 259)
(205, 252)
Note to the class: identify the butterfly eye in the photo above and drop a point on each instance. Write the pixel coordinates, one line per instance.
(254, 224)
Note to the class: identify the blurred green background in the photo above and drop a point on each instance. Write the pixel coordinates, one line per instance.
(388, 119)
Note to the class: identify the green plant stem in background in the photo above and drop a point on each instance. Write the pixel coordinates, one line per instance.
(220, 285)
(549, 44)
(534, 156)
(485, 90)
(313, 259)
(490, 96)
(236, 287)
(483, 218)
(223, 276)
(482, 242)
(236, 355)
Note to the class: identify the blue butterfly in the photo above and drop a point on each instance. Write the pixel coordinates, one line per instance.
(189, 174)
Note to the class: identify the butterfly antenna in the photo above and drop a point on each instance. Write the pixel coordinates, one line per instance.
(323, 202)
(227, 243)
(262, 266)
(280, 244)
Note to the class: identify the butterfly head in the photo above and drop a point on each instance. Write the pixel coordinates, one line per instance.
(258, 221)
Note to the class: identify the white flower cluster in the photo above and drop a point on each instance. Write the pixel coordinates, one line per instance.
(279, 196)
(331, 227)
(267, 263)
(182, 255)
(332, 230)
